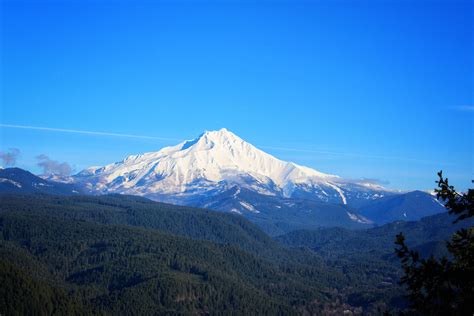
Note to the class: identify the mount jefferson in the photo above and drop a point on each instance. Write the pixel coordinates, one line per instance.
(221, 171)
(217, 161)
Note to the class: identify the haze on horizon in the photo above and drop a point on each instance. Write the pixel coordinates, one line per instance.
(379, 90)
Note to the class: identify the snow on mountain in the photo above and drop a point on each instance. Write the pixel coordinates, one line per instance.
(220, 171)
(19, 181)
(217, 161)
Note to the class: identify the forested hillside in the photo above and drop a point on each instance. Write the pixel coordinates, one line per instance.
(122, 254)
(106, 255)
(136, 211)
(332, 242)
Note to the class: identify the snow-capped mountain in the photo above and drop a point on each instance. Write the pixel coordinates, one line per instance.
(217, 161)
(220, 171)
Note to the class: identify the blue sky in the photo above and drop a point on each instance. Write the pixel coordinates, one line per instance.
(379, 89)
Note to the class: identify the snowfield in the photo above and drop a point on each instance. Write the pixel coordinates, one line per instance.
(217, 161)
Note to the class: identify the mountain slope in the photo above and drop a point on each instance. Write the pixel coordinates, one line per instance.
(141, 212)
(16, 180)
(215, 162)
(409, 206)
(115, 256)
(219, 170)
(369, 256)
(276, 215)
(127, 270)
(334, 241)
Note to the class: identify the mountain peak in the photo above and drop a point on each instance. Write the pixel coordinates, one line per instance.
(209, 139)
(214, 161)
(220, 135)
(223, 130)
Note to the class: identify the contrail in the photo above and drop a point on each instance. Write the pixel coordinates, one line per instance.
(76, 131)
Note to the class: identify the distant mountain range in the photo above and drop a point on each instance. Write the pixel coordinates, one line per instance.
(220, 171)
(410, 206)
(16, 180)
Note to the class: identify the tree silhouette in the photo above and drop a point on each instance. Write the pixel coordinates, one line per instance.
(443, 286)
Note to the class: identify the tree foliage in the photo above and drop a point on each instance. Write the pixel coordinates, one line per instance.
(443, 286)
(122, 255)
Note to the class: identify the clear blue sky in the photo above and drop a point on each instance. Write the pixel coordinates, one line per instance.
(379, 89)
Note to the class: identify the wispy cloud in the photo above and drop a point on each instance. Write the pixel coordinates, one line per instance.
(76, 131)
(9, 158)
(50, 166)
(463, 108)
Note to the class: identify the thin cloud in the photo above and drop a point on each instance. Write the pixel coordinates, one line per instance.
(463, 108)
(356, 155)
(76, 131)
(53, 167)
(9, 157)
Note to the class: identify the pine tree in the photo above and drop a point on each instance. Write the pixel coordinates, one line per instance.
(443, 286)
